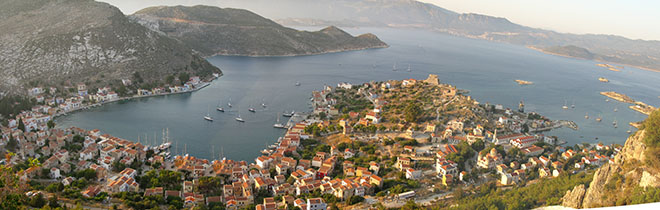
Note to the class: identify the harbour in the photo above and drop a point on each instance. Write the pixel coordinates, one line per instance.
(285, 83)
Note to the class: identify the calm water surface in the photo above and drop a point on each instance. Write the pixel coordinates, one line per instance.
(484, 68)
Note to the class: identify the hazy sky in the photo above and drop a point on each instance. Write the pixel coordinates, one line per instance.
(635, 19)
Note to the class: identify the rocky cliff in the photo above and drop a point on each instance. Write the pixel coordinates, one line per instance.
(212, 30)
(615, 184)
(64, 42)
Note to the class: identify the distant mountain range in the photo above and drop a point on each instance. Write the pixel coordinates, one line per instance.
(414, 14)
(212, 30)
(64, 42)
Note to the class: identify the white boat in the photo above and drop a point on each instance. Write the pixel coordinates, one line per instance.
(394, 67)
(408, 68)
(599, 119)
(564, 107)
(208, 117)
(220, 109)
(239, 118)
(586, 116)
(615, 109)
(252, 110)
(278, 124)
(297, 83)
(288, 114)
(229, 103)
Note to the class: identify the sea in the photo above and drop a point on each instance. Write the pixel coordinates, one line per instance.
(486, 69)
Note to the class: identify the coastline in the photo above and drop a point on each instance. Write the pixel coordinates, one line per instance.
(568, 56)
(127, 98)
(295, 55)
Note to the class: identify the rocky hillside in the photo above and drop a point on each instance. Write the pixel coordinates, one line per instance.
(64, 42)
(213, 30)
(633, 178)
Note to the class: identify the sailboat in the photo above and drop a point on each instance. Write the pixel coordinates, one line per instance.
(239, 119)
(278, 124)
(229, 103)
(564, 107)
(219, 108)
(252, 109)
(599, 119)
(616, 109)
(586, 116)
(573, 105)
(263, 104)
(408, 68)
(629, 130)
(394, 67)
(208, 117)
(615, 124)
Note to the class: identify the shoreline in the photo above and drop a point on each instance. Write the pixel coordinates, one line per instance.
(603, 61)
(295, 55)
(128, 98)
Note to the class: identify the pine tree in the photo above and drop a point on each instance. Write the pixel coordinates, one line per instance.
(21, 125)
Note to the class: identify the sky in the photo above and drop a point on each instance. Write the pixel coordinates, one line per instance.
(634, 19)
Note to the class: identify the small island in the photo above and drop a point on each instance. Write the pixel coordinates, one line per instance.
(638, 106)
(523, 82)
(603, 79)
(609, 67)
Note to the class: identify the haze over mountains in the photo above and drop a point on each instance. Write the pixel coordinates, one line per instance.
(413, 14)
(212, 30)
(65, 42)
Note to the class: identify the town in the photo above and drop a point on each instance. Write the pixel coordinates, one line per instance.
(378, 144)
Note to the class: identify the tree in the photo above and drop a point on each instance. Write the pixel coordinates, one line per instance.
(354, 199)
(412, 112)
(11, 144)
(52, 202)
(21, 125)
(184, 77)
(51, 124)
(209, 186)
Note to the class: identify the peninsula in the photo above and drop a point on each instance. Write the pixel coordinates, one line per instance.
(217, 31)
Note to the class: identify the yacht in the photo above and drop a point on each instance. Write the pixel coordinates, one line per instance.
(220, 109)
(297, 83)
(278, 124)
(239, 119)
(599, 119)
(252, 110)
(586, 116)
(288, 114)
(564, 107)
(207, 116)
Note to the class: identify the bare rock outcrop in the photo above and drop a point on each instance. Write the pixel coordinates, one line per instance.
(573, 198)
